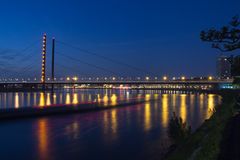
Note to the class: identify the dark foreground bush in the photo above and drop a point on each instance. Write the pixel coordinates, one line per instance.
(177, 129)
(204, 143)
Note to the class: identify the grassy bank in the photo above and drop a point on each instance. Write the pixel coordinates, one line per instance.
(204, 144)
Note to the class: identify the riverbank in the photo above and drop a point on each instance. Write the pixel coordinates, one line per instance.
(231, 140)
(205, 142)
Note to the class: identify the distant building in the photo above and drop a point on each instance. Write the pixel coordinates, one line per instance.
(223, 67)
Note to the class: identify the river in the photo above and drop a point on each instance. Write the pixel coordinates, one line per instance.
(132, 132)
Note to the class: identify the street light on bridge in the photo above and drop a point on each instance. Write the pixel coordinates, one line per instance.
(210, 78)
(183, 78)
(75, 78)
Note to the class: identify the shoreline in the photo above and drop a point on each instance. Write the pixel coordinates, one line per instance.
(206, 141)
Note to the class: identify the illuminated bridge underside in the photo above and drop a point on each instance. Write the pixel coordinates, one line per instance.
(172, 85)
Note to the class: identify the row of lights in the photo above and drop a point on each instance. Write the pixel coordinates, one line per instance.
(75, 78)
(165, 78)
(43, 58)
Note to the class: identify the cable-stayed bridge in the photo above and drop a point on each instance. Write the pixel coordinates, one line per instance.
(40, 78)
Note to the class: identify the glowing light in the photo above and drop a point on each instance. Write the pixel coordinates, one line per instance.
(114, 78)
(34, 98)
(183, 78)
(165, 78)
(114, 99)
(147, 78)
(98, 98)
(105, 100)
(43, 58)
(68, 98)
(147, 97)
(42, 100)
(16, 100)
(210, 105)
(201, 100)
(183, 107)
(147, 117)
(114, 121)
(165, 110)
(75, 98)
(75, 78)
(42, 134)
(48, 102)
(155, 96)
(68, 78)
(54, 98)
(210, 78)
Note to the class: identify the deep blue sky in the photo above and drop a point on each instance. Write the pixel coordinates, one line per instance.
(159, 36)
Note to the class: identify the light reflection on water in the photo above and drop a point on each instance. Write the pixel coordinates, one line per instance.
(183, 107)
(43, 140)
(165, 110)
(109, 134)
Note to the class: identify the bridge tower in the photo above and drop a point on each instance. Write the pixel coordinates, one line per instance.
(53, 53)
(43, 77)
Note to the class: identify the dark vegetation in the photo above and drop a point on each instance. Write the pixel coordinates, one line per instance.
(178, 130)
(226, 39)
(216, 138)
(205, 142)
(231, 140)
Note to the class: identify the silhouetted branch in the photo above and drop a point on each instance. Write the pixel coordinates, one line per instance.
(225, 39)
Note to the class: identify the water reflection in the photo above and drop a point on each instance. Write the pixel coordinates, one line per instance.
(98, 98)
(201, 100)
(42, 134)
(147, 97)
(147, 116)
(72, 130)
(105, 122)
(211, 105)
(75, 98)
(116, 129)
(183, 107)
(54, 98)
(165, 110)
(182, 103)
(48, 99)
(68, 101)
(114, 100)
(16, 100)
(34, 99)
(42, 100)
(114, 123)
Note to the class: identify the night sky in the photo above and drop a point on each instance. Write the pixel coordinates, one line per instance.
(159, 36)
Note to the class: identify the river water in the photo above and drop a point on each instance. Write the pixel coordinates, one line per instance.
(132, 132)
